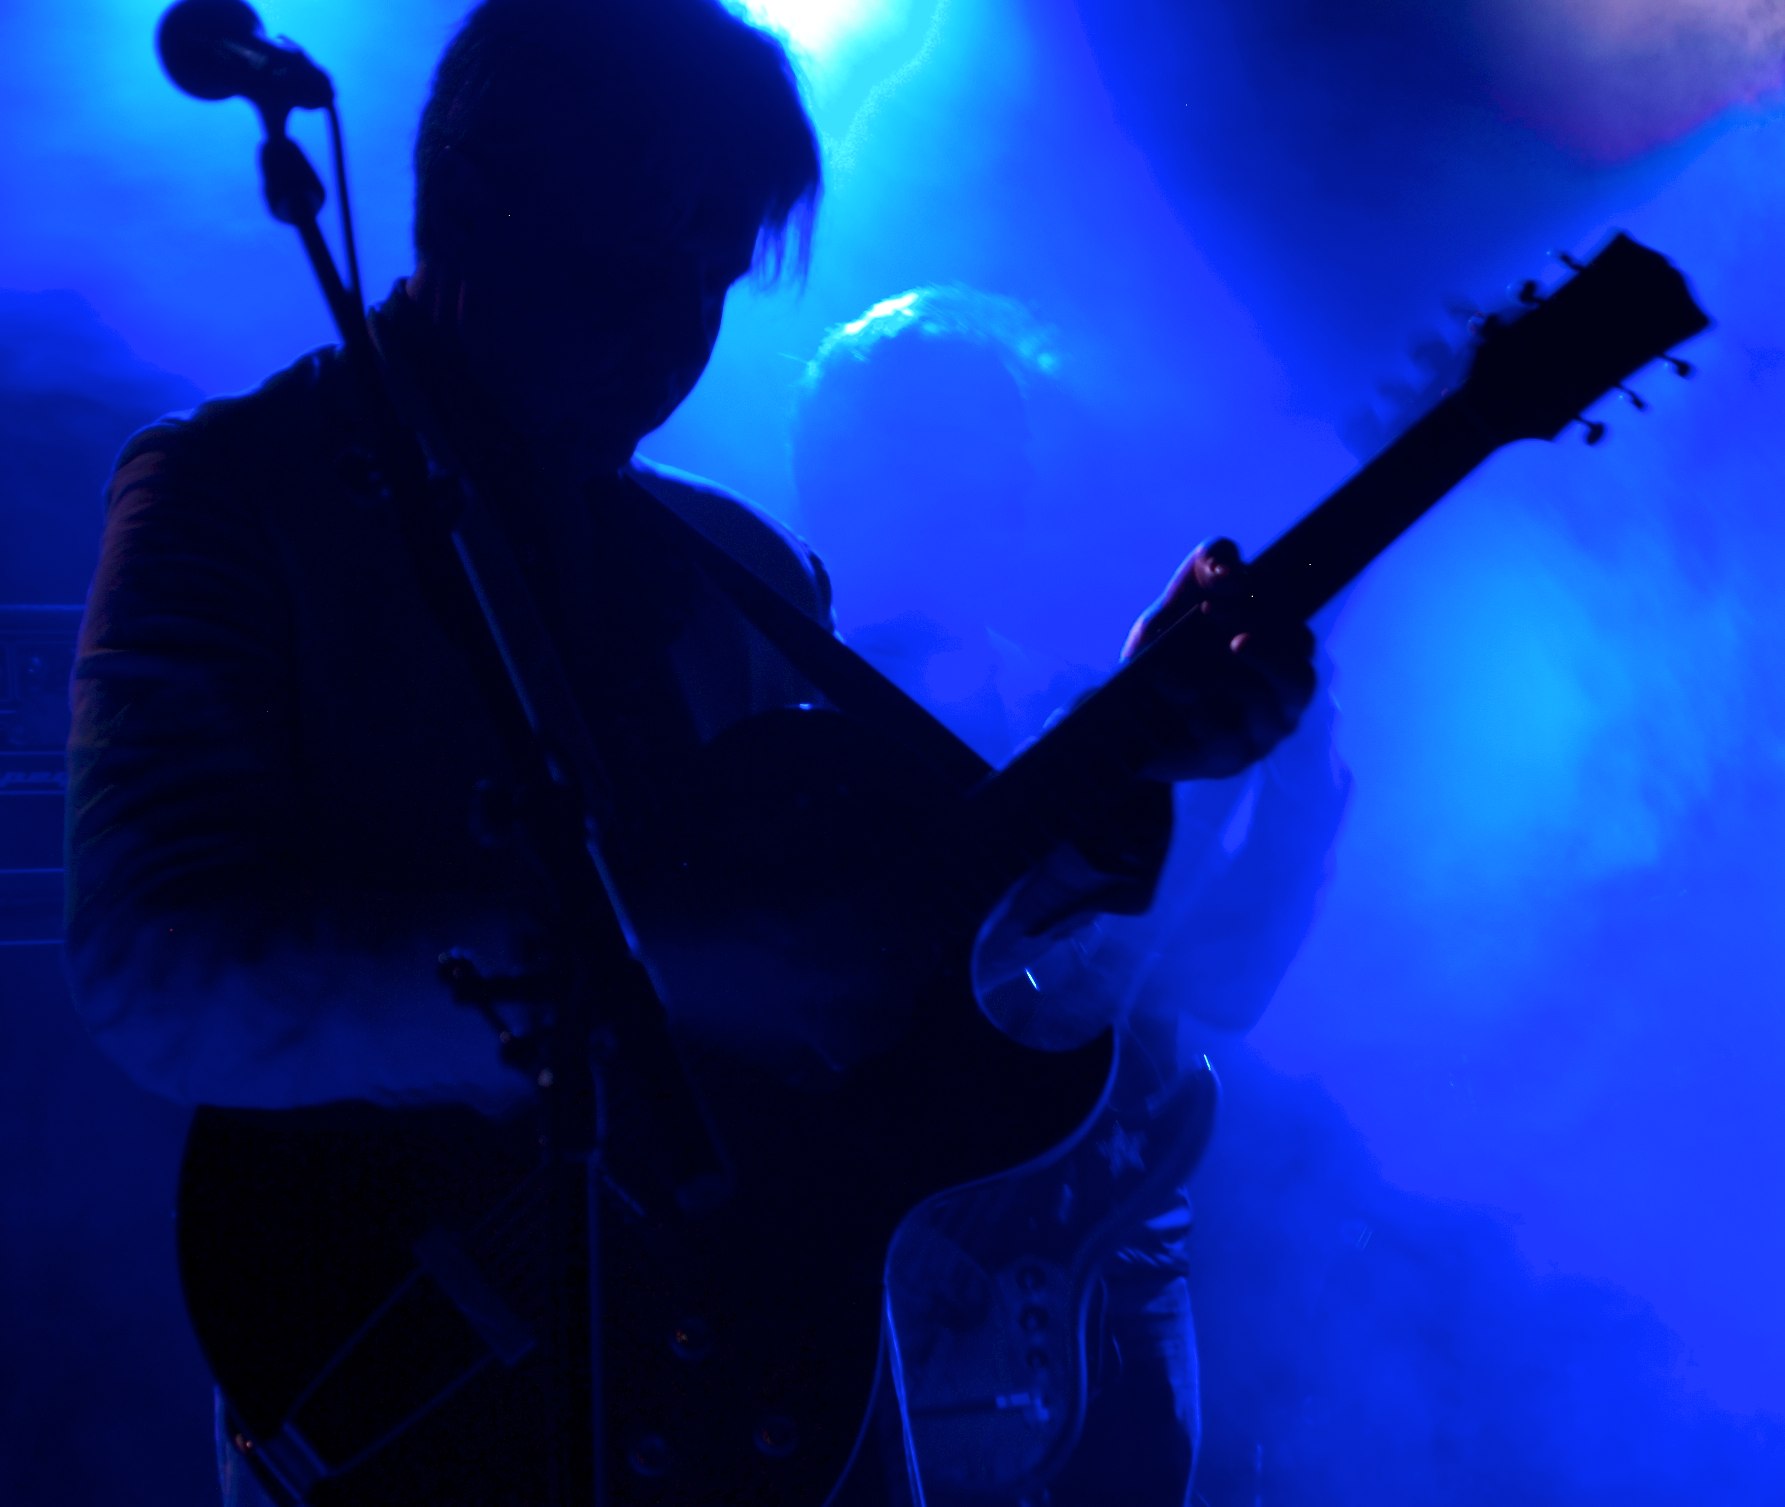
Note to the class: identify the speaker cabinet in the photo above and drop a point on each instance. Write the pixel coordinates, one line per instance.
(36, 660)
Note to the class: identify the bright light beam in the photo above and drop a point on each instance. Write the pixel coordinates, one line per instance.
(821, 29)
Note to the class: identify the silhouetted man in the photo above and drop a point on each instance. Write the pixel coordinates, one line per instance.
(277, 740)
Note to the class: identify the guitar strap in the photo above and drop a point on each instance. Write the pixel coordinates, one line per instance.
(847, 681)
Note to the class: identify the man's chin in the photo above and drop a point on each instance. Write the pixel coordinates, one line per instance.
(579, 453)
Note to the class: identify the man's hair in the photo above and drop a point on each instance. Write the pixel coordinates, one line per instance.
(650, 98)
(952, 313)
(948, 358)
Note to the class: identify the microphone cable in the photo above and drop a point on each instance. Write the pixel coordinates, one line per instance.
(338, 155)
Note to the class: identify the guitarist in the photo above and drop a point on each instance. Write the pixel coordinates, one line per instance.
(953, 603)
(277, 745)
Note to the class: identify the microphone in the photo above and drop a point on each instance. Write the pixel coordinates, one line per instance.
(216, 49)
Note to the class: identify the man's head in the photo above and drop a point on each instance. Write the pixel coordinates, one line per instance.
(912, 449)
(591, 177)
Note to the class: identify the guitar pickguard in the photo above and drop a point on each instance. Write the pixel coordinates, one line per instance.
(990, 1285)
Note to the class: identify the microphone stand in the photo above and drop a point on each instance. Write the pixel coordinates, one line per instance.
(599, 1041)
(295, 197)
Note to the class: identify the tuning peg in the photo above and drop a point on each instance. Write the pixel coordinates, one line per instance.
(1635, 400)
(1680, 368)
(1467, 312)
(1595, 429)
(1528, 293)
(1573, 264)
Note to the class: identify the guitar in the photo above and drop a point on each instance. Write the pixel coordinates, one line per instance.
(988, 1286)
(995, 1385)
(368, 1285)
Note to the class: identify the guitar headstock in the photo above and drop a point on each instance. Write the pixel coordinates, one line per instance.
(1537, 368)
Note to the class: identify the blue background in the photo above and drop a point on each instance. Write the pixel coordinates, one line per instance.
(1545, 982)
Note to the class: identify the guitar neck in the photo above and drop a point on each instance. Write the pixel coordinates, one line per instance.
(1328, 549)
(1026, 809)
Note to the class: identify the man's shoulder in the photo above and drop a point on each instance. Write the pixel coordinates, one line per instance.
(753, 538)
(291, 422)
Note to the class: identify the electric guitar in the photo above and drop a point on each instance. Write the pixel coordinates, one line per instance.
(368, 1285)
(988, 1286)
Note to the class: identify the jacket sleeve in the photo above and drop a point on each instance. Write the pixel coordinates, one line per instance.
(1242, 887)
(204, 955)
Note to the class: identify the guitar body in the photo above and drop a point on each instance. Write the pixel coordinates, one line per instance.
(372, 1287)
(989, 1288)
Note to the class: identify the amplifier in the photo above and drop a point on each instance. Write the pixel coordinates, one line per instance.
(36, 659)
